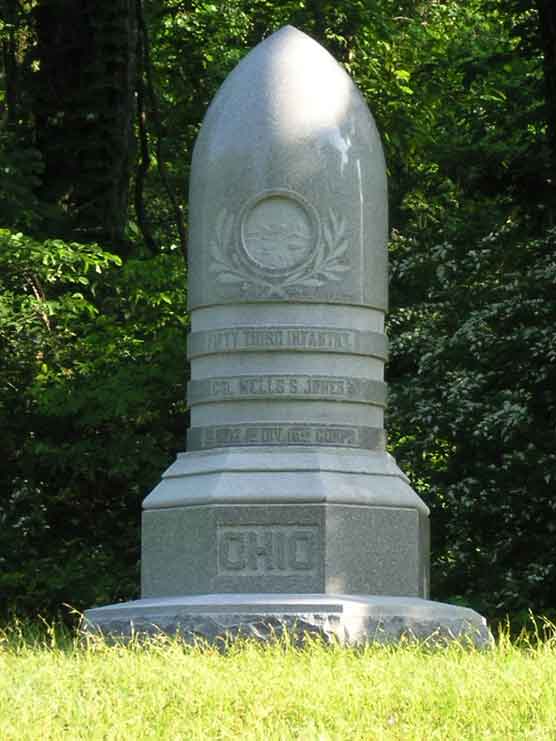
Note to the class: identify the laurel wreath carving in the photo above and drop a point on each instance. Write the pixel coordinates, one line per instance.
(326, 264)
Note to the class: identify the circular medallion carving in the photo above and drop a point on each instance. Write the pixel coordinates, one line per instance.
(279, 231)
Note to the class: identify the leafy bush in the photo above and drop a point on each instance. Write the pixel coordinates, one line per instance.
(92, 363)
(470, 417)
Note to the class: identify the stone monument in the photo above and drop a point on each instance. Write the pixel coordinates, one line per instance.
(286, 511)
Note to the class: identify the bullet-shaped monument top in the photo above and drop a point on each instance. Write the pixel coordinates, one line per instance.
(288, 194)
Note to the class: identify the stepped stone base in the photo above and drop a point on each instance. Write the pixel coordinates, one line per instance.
(285, 520)
(350, 620)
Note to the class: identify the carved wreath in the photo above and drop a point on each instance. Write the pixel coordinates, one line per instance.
(326, 264)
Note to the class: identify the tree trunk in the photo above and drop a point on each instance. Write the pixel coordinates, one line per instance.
(9, 63)
(547, 20)
(84, 110)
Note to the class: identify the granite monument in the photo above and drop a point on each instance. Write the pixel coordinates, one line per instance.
(286, 511)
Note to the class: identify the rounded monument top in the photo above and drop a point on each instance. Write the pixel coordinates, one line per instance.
(288, 184)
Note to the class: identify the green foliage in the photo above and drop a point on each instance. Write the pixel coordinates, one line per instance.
(475, 407)
(93, 353)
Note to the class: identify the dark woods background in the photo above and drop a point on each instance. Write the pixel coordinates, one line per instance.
(99, 106)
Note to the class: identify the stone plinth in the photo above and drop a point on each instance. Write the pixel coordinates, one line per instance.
(353, 620)
(326, 520)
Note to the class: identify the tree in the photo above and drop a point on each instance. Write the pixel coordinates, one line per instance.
(547, 23)
(83, 109)
(472, 274)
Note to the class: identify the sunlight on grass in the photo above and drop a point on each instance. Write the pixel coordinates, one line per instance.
(54, 685)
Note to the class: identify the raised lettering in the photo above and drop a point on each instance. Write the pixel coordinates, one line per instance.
(321, 387)
(259, 545)
(201, 438)
(231, 548)
(301, 551)
(311, 339)
(256, 550)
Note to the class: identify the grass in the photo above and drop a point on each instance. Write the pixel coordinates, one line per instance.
(55, 686)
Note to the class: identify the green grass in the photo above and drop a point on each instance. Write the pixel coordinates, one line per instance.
(56, 687)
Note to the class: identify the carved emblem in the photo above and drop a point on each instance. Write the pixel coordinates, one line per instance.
(278, 246)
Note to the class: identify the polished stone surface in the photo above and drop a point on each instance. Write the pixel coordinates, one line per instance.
(287, 257)
(288, 474)
(288, 184)
(286, 485)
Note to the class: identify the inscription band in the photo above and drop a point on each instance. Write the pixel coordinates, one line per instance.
(288, 338)
(327, 388)
(221, 436)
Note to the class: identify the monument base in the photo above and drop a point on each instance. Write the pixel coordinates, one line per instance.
(286, 519)
(347, 619)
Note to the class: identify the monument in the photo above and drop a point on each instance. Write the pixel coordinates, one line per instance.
(286, 511)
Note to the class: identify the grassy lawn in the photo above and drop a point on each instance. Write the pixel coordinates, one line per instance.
(57, 687)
